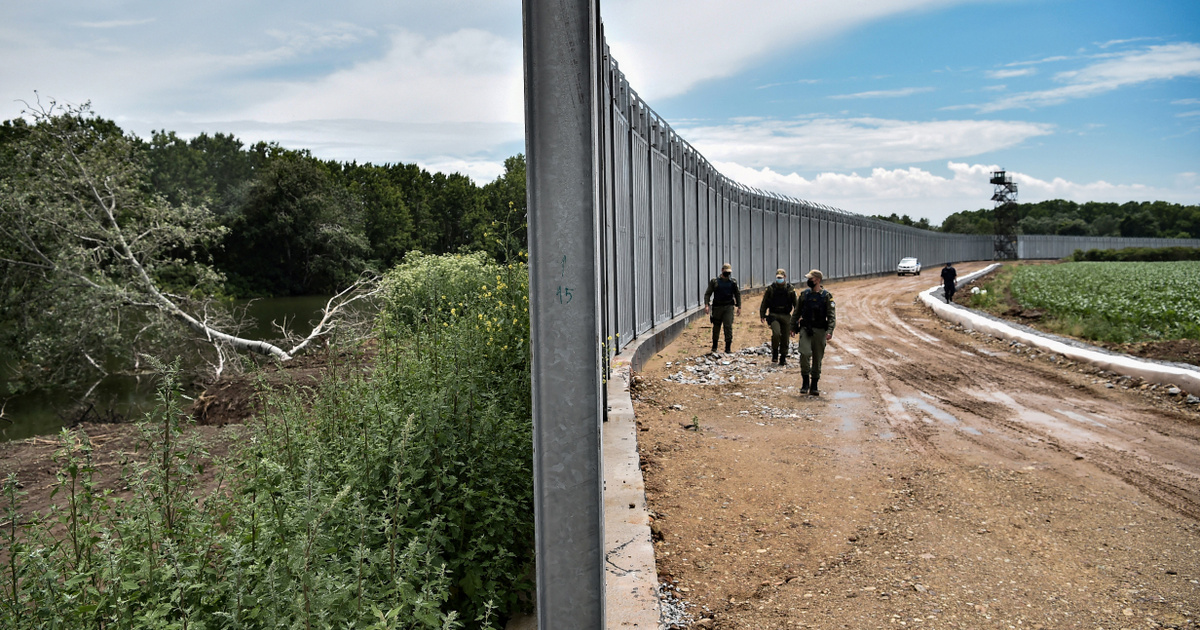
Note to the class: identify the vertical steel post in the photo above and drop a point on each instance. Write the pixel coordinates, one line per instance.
(562, 147)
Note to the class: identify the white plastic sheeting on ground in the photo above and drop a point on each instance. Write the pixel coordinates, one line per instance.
(1185, 379)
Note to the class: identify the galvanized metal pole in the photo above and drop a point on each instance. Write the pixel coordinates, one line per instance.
(562, 149)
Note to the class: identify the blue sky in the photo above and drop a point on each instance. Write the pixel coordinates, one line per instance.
(874, 106)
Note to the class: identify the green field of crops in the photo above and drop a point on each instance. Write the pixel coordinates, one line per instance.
(1115, 301)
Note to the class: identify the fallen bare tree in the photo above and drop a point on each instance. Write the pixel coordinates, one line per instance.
(88, 247)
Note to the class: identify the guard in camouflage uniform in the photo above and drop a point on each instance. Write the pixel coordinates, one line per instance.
(726, 298)
(814, 318)
(776, 311)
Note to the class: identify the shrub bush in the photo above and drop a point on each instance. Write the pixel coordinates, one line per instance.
(394, 494)
(1137, 254)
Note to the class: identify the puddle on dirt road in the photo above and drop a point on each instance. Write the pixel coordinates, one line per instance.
(846, 395)
(1056, 426)
(929, 409)
(1078, 417)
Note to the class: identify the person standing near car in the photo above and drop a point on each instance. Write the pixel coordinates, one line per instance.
(949, 282)
(776, 311)
(814, 318)
(726, 298)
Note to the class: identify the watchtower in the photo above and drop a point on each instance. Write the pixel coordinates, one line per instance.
(1005, 196)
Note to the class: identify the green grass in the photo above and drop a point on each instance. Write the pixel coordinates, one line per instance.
(1119, 302)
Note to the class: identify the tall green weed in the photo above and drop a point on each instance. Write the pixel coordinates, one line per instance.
(395, 493)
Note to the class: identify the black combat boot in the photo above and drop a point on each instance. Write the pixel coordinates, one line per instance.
(804, 384)
(727, 350)
(774, 355)
(714, 348)
(783, 354)
(813, 390)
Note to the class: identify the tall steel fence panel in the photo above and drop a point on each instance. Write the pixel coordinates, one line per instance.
(728, 235)
(679, 269)
(695, 244)
(741, 235)
(706, 230)
(624, 283)
(758, 243)
(772, 232)
(825, 245)
(660, 192)
(643, 270)
(712, 217)
(858, 250)
(844, 249)
(608, 230)
(810, 234)
(795, 248)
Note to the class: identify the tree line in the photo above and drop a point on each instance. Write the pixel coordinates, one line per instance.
(294, 224)
(1157, 219)
(113, 248)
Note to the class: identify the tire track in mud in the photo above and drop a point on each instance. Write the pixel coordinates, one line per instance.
(906, 360)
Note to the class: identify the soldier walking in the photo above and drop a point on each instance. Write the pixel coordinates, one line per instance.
(778, 301)
(949, 282)
(726, 297)
(815, 317)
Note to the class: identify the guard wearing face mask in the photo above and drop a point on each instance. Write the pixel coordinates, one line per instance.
(776, 311)
(816, 315)
(726, 297)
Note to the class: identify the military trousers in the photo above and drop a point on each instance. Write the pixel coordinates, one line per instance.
(781, 325)
(812, 350)
(722, 317)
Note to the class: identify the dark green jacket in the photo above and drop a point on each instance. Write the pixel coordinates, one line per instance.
(830, 312)
(778, 299)
(735, 295)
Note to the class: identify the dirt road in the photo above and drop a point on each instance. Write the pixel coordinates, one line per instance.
(942, 480)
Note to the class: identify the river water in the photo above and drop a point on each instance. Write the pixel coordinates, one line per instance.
(44, 412)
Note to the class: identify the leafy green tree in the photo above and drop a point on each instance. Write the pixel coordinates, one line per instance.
(387, 222)
(294, 230)
(205, 169)
(1142, 223)
(95, 265)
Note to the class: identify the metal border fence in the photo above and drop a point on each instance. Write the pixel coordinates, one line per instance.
(627, 222)
(1040, 246)
(669, 220)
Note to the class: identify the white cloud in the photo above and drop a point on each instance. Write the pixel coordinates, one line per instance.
(1035, 62)
(920, 193)
(1007, 74)
(1118, 42)
(466, 76)
(885, 93)
(1156, 63)
(1186, 101)
(662, 62)
(822, 143)
(481, 171)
